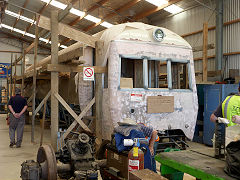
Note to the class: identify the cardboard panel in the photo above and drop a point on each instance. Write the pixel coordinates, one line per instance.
(160, 104)
(126, 83)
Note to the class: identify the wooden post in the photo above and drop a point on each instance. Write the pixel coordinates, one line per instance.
(15, 75)
(205, 44)
(34, 82)
(43, 122)
(99, 89)
(23, 72)
(11, 79)
(54, 79)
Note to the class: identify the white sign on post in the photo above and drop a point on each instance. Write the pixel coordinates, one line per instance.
(88, 74)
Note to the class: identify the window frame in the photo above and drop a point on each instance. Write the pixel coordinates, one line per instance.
(146, 72)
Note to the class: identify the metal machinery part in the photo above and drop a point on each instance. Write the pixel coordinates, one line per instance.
(76, 161)
(79, 154)
(44, 168)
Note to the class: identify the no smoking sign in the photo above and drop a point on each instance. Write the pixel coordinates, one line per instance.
(88, 74)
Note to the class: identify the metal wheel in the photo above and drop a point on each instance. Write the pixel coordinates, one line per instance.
(46, 157)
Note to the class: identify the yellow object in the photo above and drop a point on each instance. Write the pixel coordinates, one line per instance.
(135, 151)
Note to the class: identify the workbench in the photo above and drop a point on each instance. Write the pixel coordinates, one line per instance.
(198, 164)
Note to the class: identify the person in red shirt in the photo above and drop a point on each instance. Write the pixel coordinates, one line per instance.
(17, 106)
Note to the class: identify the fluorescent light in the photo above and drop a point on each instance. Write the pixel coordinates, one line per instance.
(13, 14)
(157, 2)
(77, 12)
(92, 18)
(62, 46)
(173, 9)
(27, 19)
(106, 24)
(6, 26)
(10, 13)
(28, 34)
(46, 1)
(18, 30)
(58, 4)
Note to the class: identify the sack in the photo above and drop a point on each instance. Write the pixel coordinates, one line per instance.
(232, 167)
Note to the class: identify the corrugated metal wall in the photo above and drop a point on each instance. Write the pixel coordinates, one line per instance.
(193, 19)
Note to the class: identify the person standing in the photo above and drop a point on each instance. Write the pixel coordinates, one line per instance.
(228, 109)
(17, 106)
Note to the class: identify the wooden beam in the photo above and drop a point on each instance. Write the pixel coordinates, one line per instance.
(42, 103)
(69, 68)
(54, 78)
(69, 32)
(39, 12)
(99, 55)
(20, 13)
(118, 10)
(34, 82)
(75, 21)
(73, 51)
(211, 28)
(67, 107)
(23, 72)
(151, 11)
(205, 42)
(78, 120)
(30, 99)
(200, 48)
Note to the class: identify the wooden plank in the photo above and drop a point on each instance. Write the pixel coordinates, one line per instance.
(99, 55)
(78, 120)
(30, 99)
(76, 50)
(68, 108)
(205, 42)
(69, 32)
(42, 103)
(144, 174)
(70, 68)
(54, 78)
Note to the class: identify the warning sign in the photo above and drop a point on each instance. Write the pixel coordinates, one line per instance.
(88, 74)
(137, 97)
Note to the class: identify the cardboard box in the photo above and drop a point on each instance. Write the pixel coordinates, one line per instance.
(234, 72)
(160, 104)
(237, 79)
(126, 83)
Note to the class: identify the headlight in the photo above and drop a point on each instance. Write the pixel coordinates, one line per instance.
(158, 34)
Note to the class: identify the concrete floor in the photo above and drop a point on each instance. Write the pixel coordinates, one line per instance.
(12, 158)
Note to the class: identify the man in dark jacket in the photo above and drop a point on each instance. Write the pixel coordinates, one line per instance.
(17, 106)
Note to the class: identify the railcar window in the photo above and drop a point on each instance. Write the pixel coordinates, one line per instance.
(154, 74)
(179, 75)
(132, 73)
(157, 74)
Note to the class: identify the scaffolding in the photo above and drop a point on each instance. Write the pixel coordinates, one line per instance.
(51, 67)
